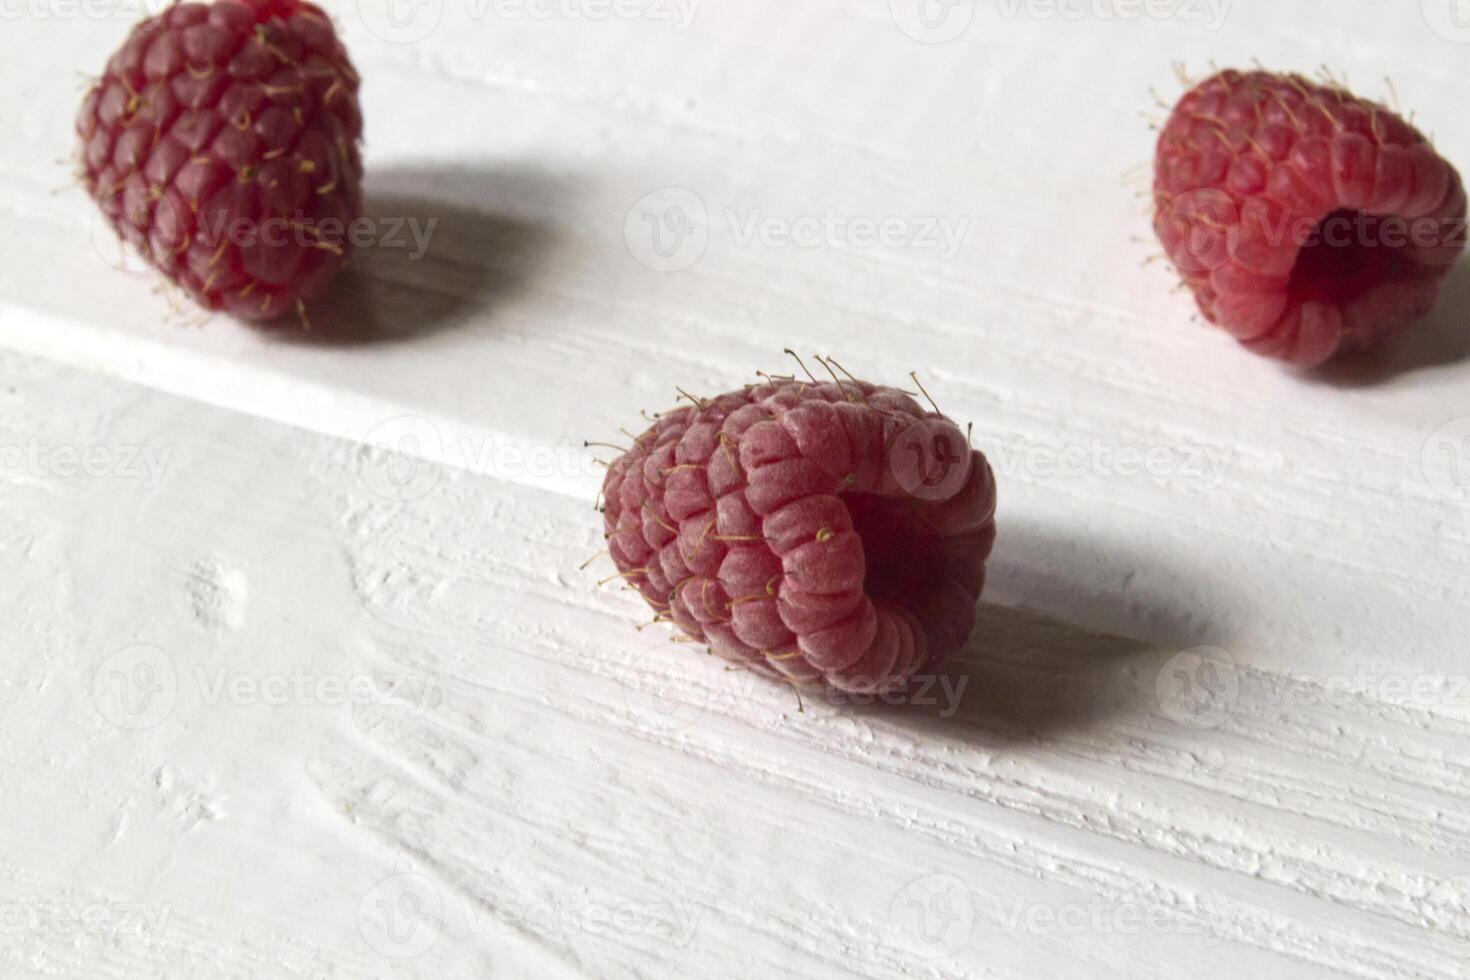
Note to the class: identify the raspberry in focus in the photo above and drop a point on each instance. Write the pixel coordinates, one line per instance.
(1305, 220)
(829, 534)
(222, 143)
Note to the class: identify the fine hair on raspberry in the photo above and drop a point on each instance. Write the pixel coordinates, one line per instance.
(221, 142)
(1305, 220)
(829, 534)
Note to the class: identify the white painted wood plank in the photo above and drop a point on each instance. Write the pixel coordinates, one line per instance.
(566, 797)
(530, 324)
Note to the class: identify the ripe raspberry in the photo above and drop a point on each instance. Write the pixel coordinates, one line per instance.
(1305, 220)
(221, 142)
(821, 533)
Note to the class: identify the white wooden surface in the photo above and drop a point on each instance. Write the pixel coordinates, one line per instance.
(301, 677)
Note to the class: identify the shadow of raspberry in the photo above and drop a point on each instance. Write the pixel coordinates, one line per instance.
(1441, 340)
(1028, 677)
(439, 248)
(1072, 635)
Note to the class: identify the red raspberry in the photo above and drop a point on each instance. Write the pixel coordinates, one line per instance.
(822, 533)
(221, 142)
(1305, 220)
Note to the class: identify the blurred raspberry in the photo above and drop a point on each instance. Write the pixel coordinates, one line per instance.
(1305, 220)
(829, 534)
(222, 143)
